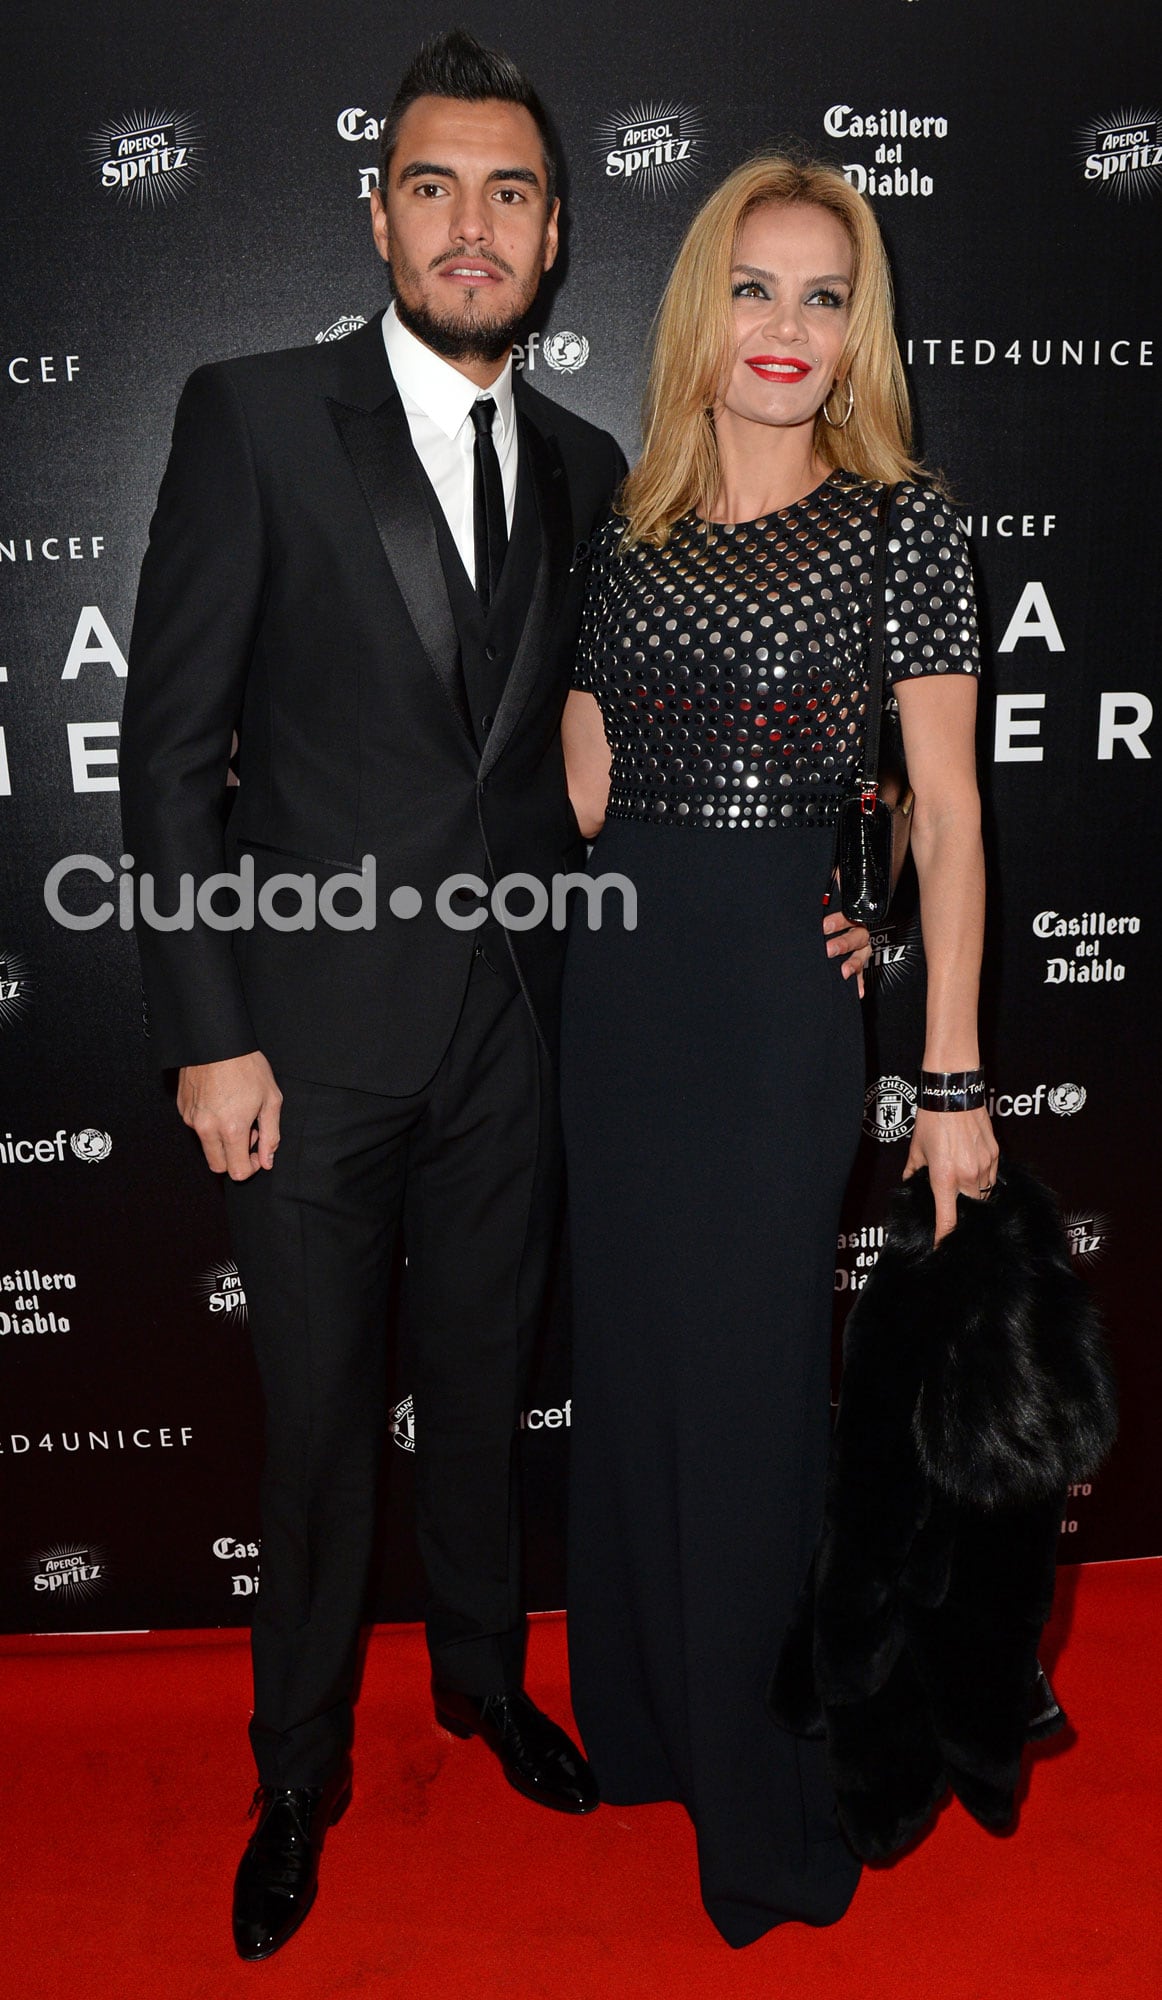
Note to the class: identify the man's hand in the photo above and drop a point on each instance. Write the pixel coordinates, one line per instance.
(848, 941)
(223, 1102)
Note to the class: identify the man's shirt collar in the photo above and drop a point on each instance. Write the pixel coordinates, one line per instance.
(444, 395)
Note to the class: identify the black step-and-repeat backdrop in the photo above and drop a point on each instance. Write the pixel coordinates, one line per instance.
(187, 183)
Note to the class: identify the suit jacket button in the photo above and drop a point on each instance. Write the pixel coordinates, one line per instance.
(490, 653)
(486, 722)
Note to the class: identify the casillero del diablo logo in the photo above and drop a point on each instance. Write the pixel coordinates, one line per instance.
(148, 157)
(651, 147)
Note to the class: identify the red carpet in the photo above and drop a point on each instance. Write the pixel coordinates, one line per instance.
(124, 1813)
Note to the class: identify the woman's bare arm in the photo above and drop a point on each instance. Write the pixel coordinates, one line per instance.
(587, 760)
(938, 718)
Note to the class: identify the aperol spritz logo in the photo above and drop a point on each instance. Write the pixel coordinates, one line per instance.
(222, 1292)
(897, 950)
(148, 157)
(1088, 1232)
(70, 1571)
(1123, 153)
(15, 987)
(652, 147)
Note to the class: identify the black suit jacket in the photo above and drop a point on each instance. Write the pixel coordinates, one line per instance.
(293, 590)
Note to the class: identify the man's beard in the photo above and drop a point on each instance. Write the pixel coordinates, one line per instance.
(466, 338)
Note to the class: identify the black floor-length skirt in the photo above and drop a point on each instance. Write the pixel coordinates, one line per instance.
(712, 1073)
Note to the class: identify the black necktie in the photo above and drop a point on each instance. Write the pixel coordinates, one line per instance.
(489, 524)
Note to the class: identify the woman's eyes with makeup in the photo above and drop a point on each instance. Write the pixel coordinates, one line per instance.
(824, 295)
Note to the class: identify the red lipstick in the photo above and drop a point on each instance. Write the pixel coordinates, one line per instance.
(779, 367)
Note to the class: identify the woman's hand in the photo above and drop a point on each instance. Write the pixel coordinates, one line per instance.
(960, 1153)
(850, 942)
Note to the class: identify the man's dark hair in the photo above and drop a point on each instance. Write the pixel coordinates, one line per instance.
(457, 65)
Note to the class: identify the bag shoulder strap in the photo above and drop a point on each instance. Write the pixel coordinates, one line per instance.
(877, 639)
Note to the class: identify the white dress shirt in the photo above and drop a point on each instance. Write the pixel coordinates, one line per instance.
(437, 399)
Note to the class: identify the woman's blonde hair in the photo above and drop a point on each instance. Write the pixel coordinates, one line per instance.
(694, 345)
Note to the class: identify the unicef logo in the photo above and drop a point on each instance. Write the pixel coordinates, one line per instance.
(91, 1144)
(889, 1109)
(566, 352)
(1066, 1098)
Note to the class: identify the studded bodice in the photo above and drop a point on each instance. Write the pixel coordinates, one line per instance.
(730, 666)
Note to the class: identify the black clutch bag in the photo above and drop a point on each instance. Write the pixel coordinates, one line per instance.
(871, 835)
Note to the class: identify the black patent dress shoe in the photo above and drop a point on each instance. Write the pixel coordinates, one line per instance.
(1046, 1715)
(278, 1875)
(537, 1758)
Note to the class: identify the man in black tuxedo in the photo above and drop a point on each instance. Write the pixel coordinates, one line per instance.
(362, 560)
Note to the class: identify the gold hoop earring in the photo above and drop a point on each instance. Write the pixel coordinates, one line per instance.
(846, 418)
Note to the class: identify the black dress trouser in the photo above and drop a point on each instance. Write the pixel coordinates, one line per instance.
(469, 1167)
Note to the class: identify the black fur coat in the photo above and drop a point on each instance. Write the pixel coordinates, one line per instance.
(976, 1389)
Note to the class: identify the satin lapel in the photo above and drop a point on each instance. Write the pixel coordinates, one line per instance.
(378, 444)
(552, 497)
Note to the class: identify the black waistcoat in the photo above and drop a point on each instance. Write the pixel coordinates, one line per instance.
(488, 641)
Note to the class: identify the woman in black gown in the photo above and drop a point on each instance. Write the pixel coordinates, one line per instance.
(712, 1068)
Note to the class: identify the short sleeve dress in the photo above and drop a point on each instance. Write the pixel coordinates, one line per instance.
(712, 1078)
